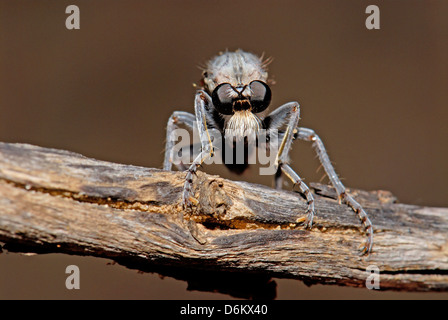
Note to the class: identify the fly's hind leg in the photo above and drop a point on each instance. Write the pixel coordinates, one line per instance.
(310, 135)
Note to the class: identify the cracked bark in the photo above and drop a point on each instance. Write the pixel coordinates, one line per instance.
(59, 201)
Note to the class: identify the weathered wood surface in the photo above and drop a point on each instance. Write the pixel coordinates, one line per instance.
(59, 201)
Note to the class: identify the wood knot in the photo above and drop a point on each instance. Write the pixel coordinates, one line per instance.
(213, 201)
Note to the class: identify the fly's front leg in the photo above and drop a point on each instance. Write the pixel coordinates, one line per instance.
(297, 181)
(202, 99)
(310, 135)
(290, 112)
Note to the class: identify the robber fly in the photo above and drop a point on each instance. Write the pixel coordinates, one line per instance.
(233, 100)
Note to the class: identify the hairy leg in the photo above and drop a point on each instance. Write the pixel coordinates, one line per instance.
(289, 112)
(201, 102)
(309, 135)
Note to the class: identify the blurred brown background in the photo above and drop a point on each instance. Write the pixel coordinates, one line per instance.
(378, 99)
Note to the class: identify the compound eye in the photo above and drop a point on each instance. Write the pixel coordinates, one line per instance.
(222, 98)
(260, 96)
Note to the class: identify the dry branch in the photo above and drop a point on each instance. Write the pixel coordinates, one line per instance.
(59, 201)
